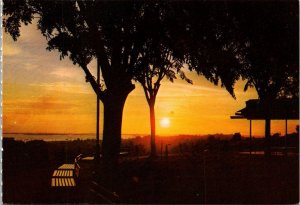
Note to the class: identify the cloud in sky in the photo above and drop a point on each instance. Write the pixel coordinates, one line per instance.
(64, 87)
(182, 89)
(40, 106)
(65, 72)
(27, 60)
(10, 49)
(30, 66)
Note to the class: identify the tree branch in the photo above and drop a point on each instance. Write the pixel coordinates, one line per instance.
(147, 94)
(90, 78)
(99, 48)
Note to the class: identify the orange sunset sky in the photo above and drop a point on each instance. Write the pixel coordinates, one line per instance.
(42, 94)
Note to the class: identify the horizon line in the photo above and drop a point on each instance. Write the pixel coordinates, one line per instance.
(133, 134)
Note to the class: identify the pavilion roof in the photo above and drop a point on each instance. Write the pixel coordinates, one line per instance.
(279, 109)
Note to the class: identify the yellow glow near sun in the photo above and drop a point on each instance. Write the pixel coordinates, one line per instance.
(165, 122)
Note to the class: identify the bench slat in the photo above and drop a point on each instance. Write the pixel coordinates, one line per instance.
(63, 182)
(53, 182)
(72, 181)
(67, 182)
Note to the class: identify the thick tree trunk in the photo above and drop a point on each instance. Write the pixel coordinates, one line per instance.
(113, 99)
(112, 126)
(113, 111)
(152, 124)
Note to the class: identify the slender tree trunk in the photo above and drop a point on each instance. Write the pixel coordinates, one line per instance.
(266, 104)
(267, 137)
(152, 124)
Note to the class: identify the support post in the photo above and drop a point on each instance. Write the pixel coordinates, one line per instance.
(97, 151)
(250, 137)
(267, 137)
(161, 150)
(286, 132)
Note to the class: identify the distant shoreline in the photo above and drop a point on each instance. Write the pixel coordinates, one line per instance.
(130, 134)
(29, 133)
(91, 136)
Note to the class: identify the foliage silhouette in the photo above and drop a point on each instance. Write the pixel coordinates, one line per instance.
(146, 41)
(116, 34)
(186, 36)
(271, 41)
(205, 37)
(110, 32)
(157, 62)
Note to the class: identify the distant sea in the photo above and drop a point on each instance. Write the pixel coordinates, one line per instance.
(57, 137)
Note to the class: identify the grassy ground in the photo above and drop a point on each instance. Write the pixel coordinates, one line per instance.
(206, 178)
(215, 178)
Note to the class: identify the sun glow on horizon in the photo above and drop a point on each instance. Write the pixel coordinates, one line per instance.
(165, 122)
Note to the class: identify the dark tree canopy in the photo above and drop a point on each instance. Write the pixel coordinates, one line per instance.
(270, 31)
(187, 37)
(113, 33)
(146, 40)
(128, 39)
(207, 41)
(157, 61)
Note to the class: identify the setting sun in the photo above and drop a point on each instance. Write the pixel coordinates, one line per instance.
(165, 122)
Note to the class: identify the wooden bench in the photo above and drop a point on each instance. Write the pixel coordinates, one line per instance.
(66, 175)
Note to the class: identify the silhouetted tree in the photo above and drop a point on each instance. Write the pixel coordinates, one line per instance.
(236, 137)
(149, 40)
(157, 62)
(208, 42)
(152, 72)
(110, 32)
(117, 35)
(191, 33)
(271, 50)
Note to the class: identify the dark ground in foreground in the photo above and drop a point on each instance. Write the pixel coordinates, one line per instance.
(206, 178)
